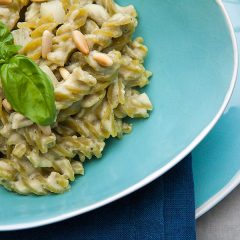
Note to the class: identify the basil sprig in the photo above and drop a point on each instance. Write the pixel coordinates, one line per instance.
(26, 87)
(5, 35)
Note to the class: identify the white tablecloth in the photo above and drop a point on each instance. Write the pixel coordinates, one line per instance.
(223, 221)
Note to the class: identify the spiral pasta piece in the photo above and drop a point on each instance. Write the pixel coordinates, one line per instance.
(136, 105)
(111, 32)
(63, 43)
(78, 84)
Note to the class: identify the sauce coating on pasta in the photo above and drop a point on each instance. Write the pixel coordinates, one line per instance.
(86, 49)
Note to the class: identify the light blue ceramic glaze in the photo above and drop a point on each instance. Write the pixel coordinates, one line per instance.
(191, 56)
(216, 161)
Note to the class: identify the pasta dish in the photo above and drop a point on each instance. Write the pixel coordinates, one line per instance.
(71, 74)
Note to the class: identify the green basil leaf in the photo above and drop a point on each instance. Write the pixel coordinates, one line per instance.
(5, 34)
(7, 51)
(29, 90)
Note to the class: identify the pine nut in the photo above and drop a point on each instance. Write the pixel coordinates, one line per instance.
(64, 73)
(46, 43)
(6, 105)
(80, 42)
(103, 59)
(5, 2)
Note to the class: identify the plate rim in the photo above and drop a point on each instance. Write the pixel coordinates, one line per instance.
(160, 171)
(219, 196)
(216, 198)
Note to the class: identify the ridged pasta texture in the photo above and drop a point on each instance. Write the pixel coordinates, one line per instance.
(97, 71)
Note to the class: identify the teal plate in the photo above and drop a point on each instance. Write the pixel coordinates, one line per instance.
(216, 161)
(193, 55)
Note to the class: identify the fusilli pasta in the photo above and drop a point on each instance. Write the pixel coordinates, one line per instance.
(94, 89)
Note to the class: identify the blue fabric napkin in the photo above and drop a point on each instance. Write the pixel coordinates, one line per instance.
(163, 210)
